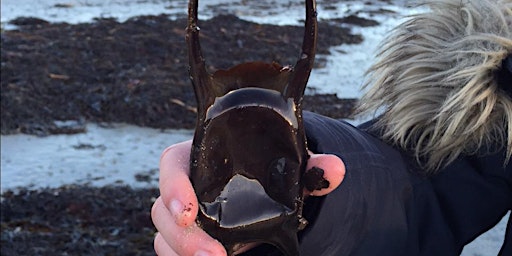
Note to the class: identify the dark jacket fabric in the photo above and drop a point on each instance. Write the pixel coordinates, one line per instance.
(386, 206)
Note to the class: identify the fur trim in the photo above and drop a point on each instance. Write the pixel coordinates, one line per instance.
(435, 81)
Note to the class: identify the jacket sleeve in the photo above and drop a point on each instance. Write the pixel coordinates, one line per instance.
(475, 192)
(385, 206)
(381, 208)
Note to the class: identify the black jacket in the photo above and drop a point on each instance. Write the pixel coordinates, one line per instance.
(386, 206)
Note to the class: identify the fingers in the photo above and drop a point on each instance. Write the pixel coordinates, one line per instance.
(333, 168)
(174, 239)
(175, 211)
(162, 248)
(175, 188)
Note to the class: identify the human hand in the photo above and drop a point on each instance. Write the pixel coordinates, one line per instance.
(175, 211)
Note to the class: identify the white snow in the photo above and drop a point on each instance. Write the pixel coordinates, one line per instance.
(116, 155)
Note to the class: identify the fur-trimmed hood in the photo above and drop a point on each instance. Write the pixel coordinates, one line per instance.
(436, 85)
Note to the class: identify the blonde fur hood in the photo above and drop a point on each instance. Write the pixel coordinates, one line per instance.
(434, 81)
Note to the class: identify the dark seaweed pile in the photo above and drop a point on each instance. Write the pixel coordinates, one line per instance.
(78, 221)
(134, 72)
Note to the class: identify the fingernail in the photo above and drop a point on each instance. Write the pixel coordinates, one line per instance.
(201, 253)
(176, 207)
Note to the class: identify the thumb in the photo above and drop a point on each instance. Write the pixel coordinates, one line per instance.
(326, 172)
